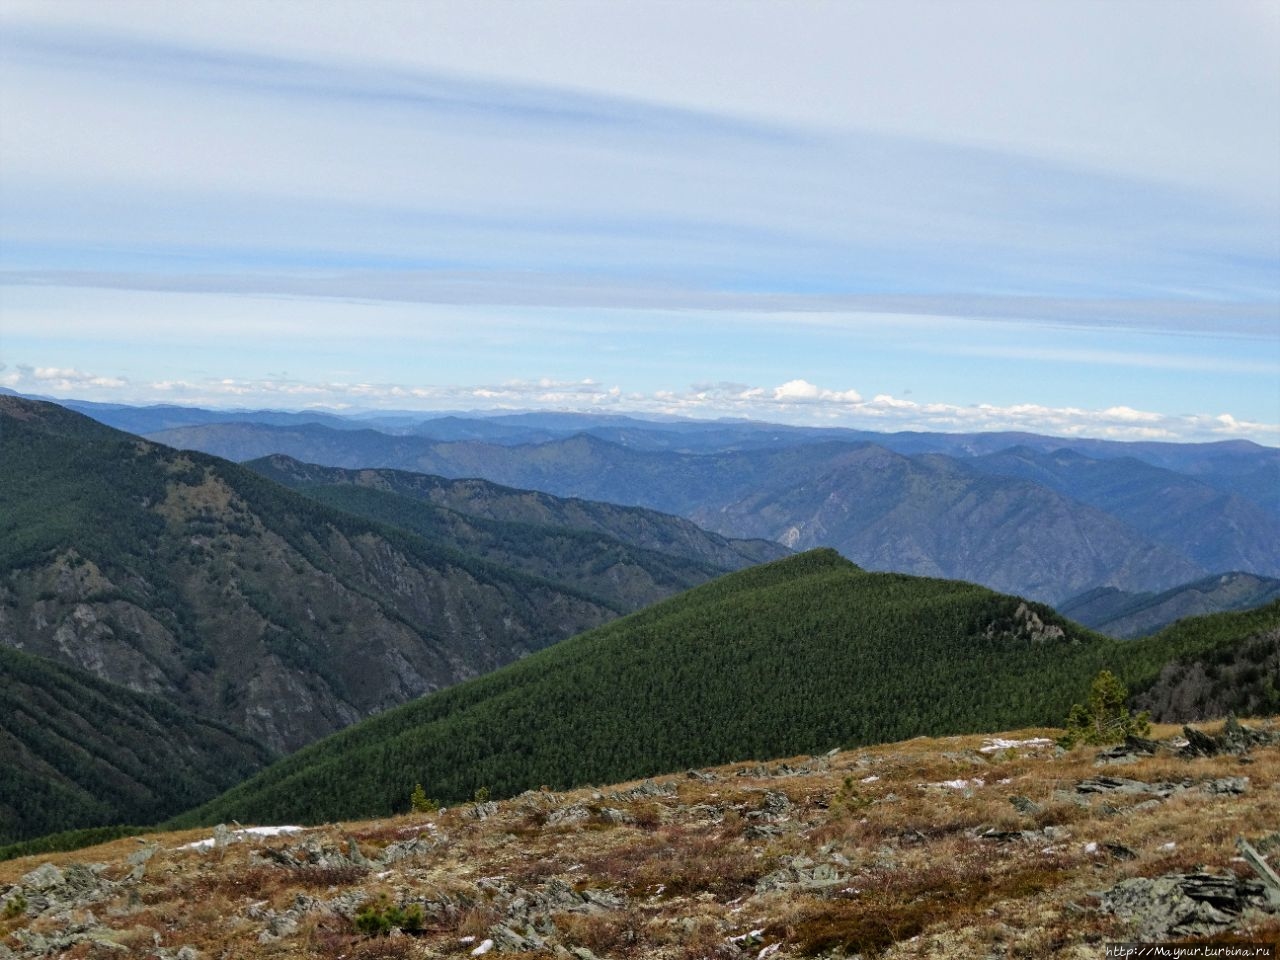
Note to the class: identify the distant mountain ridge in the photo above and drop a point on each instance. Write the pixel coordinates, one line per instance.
(1049, 525)
(1120, 614)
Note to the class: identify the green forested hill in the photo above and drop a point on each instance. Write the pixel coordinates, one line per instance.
(77, 751)
(803, 654)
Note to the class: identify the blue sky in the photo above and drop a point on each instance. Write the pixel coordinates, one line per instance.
(1062, 217)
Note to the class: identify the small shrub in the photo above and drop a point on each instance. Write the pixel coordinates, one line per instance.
(848, 799)
(381, 916)
(15, 907)
(482, 795)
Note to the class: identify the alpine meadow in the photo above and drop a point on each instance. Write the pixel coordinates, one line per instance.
(736, 480)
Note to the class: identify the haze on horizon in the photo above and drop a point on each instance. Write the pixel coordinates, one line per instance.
(1060, 217)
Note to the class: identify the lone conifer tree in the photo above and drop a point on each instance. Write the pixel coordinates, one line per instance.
(1105, 718)
(418, 801)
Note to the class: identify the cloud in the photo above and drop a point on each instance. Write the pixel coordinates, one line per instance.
(796, 402)
(61, 378)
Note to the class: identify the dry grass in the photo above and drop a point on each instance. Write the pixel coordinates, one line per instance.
(917, 875)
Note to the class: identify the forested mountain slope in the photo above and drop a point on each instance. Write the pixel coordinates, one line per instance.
(799, 655)
(523, 527)
(78, 751)
(1216, 530)
(195, 579)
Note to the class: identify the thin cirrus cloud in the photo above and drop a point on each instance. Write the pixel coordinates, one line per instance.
(166, 188)
(443, 170)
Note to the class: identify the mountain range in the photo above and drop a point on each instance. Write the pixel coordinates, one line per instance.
(254, 608)
(189, 577)
(1045, 523)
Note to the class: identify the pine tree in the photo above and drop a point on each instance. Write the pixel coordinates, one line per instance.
(1105, 719)
(418, 801)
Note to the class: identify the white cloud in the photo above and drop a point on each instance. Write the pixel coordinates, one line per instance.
(67, 378)
(795, 401)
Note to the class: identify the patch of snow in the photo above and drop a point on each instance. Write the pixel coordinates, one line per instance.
(484, 948)
(1169, 846)
(1090, 847)
(768, 951)
(243, 832)
(871, 779)
(958, 784)
(467, 940)
(998, 743)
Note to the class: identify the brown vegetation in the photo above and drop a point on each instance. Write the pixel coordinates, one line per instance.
(928, 848)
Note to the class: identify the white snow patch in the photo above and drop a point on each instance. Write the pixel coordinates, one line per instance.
(871, 779)
(1090, 847)
(958, 784)
(768, 951)
(998, 743)
(243, 832)
(1169, 846)
(484, 948)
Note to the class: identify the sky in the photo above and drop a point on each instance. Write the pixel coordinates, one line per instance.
(1053, 216)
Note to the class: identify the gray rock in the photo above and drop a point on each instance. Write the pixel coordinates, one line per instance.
(139, 857)
(1182, 905)
(1026, 805)
(568, 815)
(509, 940)
(405, 850)
(1123, 785)
(646, 789)
(1227, 785)
(801, 874)
(44, 877)
(1119, 851)
(481, 811)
